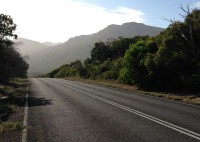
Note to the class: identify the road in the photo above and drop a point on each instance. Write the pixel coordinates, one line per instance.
(68, 111)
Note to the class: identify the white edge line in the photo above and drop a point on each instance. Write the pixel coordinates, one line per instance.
(149, 117)
(25, 122)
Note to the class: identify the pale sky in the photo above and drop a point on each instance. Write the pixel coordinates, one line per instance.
(59, 20)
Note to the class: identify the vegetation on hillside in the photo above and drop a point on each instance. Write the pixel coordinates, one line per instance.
(169, 61)
(12, 65)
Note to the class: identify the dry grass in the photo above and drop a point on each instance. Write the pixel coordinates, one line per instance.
(189, 99)
(12, 96)
(10, 126)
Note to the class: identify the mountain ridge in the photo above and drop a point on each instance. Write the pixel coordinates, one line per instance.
(51, 43)
(79, 47)
(27, 47)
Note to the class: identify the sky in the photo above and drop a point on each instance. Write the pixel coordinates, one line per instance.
(59, 20)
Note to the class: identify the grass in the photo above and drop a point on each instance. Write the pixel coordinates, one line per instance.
(193, 99)
(10, 126)
(6, 110)
(12, 96)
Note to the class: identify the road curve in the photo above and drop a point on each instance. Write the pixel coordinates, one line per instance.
(68, 111)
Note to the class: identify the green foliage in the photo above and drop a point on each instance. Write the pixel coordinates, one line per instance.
(88, 61)
(100, 52)
(66, 71)
(169, 61)
(53, 73)
(112, 49)
(13, 93)
(134, 70)
(10, 126)
(108, 75)
(77, 65)
(93, 71)
(11, 62)
(106, 60)
(74, 69)
(6, 27)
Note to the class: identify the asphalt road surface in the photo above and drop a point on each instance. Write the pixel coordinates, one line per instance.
(68, 111)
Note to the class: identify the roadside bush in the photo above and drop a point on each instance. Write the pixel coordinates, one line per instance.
(66, 71)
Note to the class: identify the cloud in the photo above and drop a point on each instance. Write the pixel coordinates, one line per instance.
(58, 20)
(196, 5)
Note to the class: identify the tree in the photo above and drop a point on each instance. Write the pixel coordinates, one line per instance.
(7, 27)
(188, 31)
(100, 52)
(176, 64)
(134, 70)
(119, 47)
(66, 71)
(11, 62)
(79, 67)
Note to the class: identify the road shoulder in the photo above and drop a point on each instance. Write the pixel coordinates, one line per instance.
(186, 98)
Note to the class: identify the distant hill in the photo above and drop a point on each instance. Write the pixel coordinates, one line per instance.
(51, 44)
(79, 47)
(28, 47)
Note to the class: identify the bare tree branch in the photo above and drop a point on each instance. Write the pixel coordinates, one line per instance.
(187, 11)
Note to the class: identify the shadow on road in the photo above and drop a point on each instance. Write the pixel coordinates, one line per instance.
(34, 101)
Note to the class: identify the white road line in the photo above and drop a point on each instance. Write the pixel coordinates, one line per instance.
(149, 117)
(159, 98)
(25, 122)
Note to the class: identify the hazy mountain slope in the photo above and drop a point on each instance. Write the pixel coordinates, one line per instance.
(28, 47)
(51, 44)
(79, 47)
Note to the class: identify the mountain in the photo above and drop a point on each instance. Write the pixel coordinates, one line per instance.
(51, 44)
(78, 48)
(28, 47)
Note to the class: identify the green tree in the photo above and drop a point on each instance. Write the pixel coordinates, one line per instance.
(119, 47)
(66, 71)
(100, 52)
(168, 61)
(134, 70)
(11, 62)
(53, 73)
(7, 27)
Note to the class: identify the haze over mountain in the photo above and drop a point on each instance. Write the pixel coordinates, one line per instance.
(51, 44)
(28, 47)
(78, 48)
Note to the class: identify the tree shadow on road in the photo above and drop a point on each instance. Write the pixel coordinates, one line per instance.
(35, 101)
